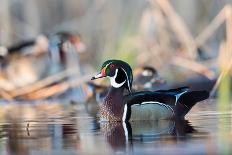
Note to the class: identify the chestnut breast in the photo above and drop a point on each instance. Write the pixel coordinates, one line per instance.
(112, 108)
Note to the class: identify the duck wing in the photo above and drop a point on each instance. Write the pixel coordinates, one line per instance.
(168, 97)
(162, 103)
(148, 105)
(149, 96)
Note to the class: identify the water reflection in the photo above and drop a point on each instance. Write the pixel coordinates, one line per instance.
(40, 137)
(70, 129)
(120, 135)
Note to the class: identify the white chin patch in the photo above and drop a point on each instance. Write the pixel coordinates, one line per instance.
(114, 83)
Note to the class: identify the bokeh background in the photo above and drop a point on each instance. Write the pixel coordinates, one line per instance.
(115, 29)
(48, 106)
(172, 36)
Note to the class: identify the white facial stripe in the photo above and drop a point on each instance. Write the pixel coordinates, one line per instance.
(113, 82)
(128, 82)
(108, 64)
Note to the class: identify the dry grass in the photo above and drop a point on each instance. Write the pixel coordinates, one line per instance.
(225, 53)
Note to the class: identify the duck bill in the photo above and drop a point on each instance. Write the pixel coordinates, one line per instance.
(98, 76)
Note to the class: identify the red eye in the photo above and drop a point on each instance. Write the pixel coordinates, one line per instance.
(112, 65)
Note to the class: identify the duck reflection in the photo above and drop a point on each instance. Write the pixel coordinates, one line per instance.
(116, 134)
(121, 135)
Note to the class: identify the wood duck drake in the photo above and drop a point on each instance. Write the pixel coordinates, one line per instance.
(121, 104)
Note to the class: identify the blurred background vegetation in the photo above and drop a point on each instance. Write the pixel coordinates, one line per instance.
(110, 28)
(189, 42)
(163, 34)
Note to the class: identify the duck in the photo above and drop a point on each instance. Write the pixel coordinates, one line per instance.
(121, 104)
(59, 38)
(30, 60)
(147, 77)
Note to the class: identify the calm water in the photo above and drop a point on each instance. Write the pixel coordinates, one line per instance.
(52, 129)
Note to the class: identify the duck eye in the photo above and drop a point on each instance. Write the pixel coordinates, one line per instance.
(112, 66)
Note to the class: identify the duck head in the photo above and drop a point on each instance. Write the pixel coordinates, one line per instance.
(148, 77)
(149, 71)
(73, 38)
(119, 73)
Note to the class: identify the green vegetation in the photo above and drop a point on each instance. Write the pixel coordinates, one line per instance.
(224, 94)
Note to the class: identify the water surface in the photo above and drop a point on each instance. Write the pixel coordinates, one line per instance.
(61, 128)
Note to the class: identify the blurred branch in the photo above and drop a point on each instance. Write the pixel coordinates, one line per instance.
(56, 88)
(40, 84)
(49, 91)
(194, 66)
(212, 27)
(179, 26)
(5, 95)
(225, 55)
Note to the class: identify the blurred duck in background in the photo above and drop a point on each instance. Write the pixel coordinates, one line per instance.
(195, 83)
(95, 94)
(27, 47)
(29, 61)
(24, 63)
(147, 77)
(58, 50)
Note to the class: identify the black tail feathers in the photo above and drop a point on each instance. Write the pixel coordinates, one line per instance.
(188, 100)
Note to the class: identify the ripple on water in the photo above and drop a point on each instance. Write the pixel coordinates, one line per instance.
(55, 128)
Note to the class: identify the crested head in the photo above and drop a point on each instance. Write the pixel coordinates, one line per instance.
(119, 73)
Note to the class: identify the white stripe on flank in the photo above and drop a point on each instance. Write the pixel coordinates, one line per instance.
(152, 102)
(124, 113)
(125, 130)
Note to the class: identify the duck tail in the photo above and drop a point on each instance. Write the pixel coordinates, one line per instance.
(187, 101)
